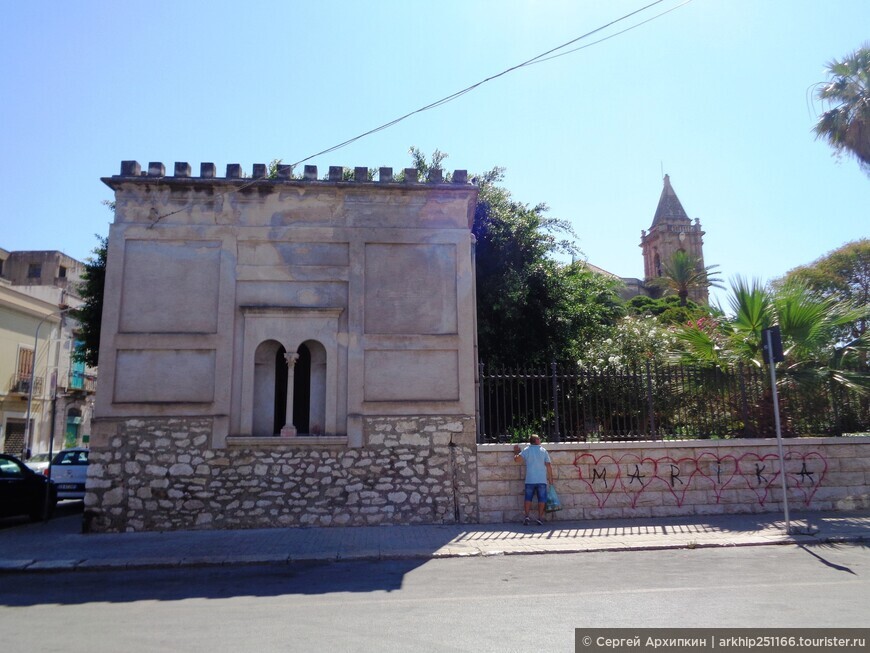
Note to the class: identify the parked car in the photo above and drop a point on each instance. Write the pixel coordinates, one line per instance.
(38, 462)
(69, 470)
(22, 491)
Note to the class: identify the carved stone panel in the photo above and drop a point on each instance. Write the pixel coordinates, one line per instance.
(170, 287)
(411, 375)
(410, 289)
(165, 375)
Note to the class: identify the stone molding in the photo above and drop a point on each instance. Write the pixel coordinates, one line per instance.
(279, 442)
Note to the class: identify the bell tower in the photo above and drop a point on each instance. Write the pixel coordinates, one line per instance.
(671, 230)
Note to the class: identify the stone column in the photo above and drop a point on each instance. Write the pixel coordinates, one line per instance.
(288, 430)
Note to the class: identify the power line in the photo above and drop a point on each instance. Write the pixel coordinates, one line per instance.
(537, 59)
(541, 58)
(606, 38)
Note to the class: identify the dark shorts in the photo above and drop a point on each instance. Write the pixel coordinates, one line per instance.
(540, 488)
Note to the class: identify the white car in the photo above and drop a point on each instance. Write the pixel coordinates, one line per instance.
(69, 471)
(38, 462)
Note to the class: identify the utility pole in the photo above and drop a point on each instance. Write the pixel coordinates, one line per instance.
(28, 430)
(53, 407)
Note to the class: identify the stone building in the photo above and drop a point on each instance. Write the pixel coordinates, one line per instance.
(42, 268)
(37, 341)
(671, 231)
(284, 351)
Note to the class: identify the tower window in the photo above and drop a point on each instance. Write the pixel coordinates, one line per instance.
(34, 271)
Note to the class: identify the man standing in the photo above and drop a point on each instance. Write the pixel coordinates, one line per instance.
(539, 472)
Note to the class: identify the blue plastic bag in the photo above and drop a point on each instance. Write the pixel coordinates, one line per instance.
(553, 504)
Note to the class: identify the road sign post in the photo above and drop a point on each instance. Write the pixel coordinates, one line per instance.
(772, 348)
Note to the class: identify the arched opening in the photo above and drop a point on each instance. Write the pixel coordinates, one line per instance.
(270, 376)
(302, 390)
(657, 263)
(309, 389)
(276, 392)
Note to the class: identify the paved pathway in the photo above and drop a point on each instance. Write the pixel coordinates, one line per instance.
(58, 544)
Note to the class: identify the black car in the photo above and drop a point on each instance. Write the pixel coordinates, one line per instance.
(22, 491)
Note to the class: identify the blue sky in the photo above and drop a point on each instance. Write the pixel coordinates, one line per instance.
(715, 93)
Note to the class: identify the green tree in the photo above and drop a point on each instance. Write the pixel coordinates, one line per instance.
(846, 125)
(683, 273)
(668, 310)
(842, 274)
(423, 165)
(530, 308)
(90, 315)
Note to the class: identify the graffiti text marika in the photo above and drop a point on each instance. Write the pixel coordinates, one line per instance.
(750, 472)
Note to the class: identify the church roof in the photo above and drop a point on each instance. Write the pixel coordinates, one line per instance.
(669, 208)
(602, 271)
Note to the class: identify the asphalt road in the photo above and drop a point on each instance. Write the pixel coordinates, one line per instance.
(61, 519)
(500, 603)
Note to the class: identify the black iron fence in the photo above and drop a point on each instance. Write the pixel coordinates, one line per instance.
(651, 402)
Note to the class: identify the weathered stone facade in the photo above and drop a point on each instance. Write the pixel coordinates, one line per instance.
(663, 479)
(160, 474)
(285, 351)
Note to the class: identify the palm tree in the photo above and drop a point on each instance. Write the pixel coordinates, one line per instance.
(809, 324)
(819, 367)
(684, 274)
(733, 340)
(846, 126)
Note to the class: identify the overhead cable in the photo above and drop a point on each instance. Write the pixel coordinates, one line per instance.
(544, 56)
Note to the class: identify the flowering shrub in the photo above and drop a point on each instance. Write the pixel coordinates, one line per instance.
(631, 343)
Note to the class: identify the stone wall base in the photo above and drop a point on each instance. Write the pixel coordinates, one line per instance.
(160, 474)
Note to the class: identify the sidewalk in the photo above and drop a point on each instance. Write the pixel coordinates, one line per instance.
(59, 546)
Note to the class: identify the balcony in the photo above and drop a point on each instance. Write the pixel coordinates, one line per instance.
(20, 384)
(80, 382)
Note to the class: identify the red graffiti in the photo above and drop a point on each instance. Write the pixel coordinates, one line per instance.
(633, 475)
(807, 480)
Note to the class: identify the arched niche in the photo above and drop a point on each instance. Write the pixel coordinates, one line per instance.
(310, 339)
(270, 376)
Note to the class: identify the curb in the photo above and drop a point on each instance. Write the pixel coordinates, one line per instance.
(30, 566)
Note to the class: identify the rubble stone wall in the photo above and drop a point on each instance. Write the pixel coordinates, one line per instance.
(663, 479)
(160, 474)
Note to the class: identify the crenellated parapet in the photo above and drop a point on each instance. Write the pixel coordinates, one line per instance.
(260, 171)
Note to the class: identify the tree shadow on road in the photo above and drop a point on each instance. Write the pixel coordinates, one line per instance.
(80, 587)
(833, 546)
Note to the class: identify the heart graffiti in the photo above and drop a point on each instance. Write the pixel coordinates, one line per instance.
(718, 471)
(602, 478)
(811, 471)
(759, 473)
(639, 473)
(632, 474)
(677, 475)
